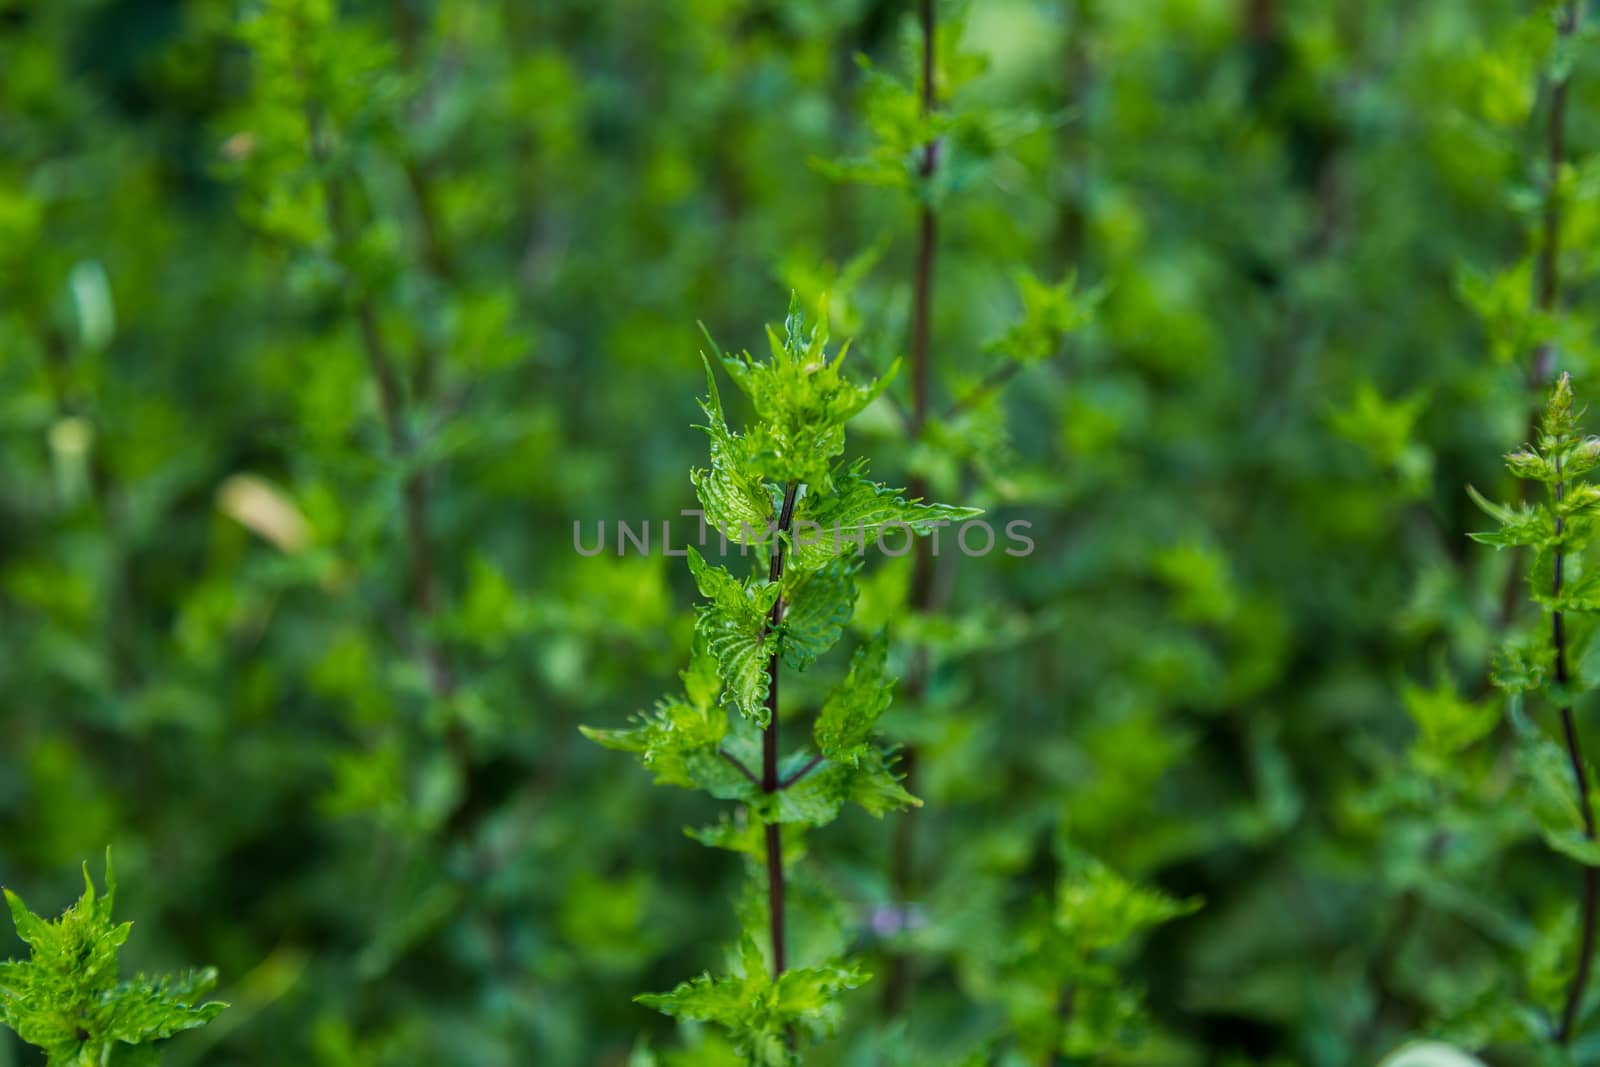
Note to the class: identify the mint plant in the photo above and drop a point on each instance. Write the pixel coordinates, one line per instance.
(780, 488)
(66, 998)
(1564, 584)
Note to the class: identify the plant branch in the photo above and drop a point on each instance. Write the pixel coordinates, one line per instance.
(385, 374)
(770, 782)
(402, 448)
(1380, 969)
(810, 766)
(1580, 775)
(993, 380)
(739, 765)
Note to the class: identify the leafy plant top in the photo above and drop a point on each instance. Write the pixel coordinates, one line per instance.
(68, 1000)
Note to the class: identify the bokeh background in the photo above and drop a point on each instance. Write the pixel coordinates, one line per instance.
(321, 323)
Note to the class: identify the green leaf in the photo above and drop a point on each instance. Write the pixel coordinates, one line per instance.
(808, 995)
(875, 787)
(1575, 844)
(1521, 668)
(701, 680)
(739, 643)
(858, 513)
(736, 502)
(1049, 313)
(851, 711)
(702, 999)
(1521, 526)
(666, 737)
(1447, 722)
(150, 1009)
(816, 799)
(1097, 908)
(1550, 795)
(757, 1011)
(726, 593)
(820, 603)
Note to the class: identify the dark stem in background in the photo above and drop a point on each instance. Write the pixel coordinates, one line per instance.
(902, 872)
(770, 783)
(435, 254)
(391, 395)
(385, 371)
(1072, 222)
(439, 261)
(1580, 775)
(1547, 280)
(991, 381)
(1065, 1005)
(1380, 969)
(1071, 230)
(1547, 270)
(927, 237)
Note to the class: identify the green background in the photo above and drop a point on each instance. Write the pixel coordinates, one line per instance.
(1312, 231)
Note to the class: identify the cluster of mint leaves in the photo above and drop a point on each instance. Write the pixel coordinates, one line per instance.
(67, 999)
(766, 487)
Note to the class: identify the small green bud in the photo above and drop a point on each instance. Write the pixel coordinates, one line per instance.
(1526, 463)
(1560, 422)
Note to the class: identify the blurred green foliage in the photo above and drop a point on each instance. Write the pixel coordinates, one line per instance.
(321, 323)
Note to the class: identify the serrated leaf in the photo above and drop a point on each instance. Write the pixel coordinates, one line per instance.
(820, 604)
(802, 401)
(740, 645)
(66, 998)
(727, 593)
(149, 1009)
(876, 788)
(1518, 669)
(666, 737)
(702, 999)
(757, 1011)
(851, 711)
(808, 995)
(736, 502)
(701, 680)
(859, 512)
(816, 799)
